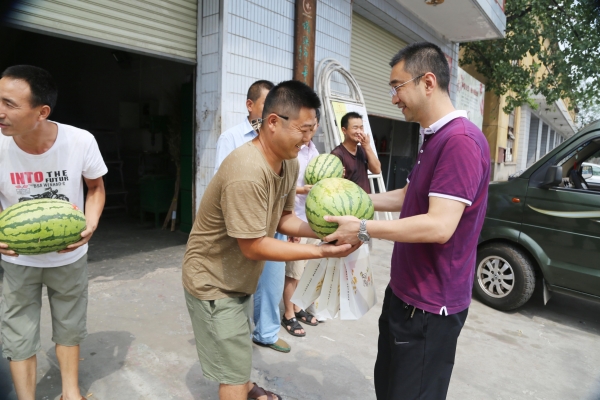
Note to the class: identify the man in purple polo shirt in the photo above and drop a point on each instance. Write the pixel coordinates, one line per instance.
(442, 210)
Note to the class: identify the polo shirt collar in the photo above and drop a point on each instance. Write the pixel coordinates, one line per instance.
(439, 124)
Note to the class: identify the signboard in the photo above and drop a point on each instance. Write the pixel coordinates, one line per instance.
(304, 41)
(340, 109)
(470, 97)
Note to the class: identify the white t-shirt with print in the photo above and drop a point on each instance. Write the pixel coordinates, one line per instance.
(58, 174)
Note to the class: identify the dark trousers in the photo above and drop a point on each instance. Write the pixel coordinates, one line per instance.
(415, 353)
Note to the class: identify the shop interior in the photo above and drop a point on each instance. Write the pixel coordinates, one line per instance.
(138, 107)
(397, 144)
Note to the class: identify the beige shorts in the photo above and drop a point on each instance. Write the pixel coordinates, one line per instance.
(294, 269)
(67, 288)
(222, 333)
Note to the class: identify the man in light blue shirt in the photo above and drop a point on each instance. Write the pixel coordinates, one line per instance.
(270, 285)
(242, 133)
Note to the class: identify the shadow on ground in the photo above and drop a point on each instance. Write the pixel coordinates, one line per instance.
(310, 376)
(102, 354)
(562, 309)
(7, 391)
(119, 237)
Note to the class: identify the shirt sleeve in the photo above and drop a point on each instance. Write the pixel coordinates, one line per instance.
(224, 148)
(459, 171)
(245, 209)
(93, 163)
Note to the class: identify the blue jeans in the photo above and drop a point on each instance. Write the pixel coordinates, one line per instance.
(266, 300)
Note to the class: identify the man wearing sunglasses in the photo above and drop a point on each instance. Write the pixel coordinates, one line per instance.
(442, 209)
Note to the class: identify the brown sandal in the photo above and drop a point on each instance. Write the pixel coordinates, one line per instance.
(257, 391)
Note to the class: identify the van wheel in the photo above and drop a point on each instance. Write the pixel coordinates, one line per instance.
(504, 276)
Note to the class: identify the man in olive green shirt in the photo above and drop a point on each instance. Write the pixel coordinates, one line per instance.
(250, 197)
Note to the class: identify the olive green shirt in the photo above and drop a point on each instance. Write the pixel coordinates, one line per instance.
(245, 200)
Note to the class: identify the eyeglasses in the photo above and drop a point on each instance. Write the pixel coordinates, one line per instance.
(257, 123)
(394, 91)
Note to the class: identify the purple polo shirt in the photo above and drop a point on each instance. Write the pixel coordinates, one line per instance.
(453, 163)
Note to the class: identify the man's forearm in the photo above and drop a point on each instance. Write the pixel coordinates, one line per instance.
(291, 225)
(275, 250)
(388, 201)
(418, 229)
(94, 204)
(372, 161)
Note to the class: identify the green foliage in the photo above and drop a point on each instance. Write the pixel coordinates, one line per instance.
(564, 38)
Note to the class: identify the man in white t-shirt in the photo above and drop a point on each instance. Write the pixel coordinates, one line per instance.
(44, 159)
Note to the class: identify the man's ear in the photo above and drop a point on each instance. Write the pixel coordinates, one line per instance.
(249, 105)
(430, 82)
(44, 112)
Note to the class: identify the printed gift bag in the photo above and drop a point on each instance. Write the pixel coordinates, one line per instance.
(357, 291)
(311, 282)
(327, 305)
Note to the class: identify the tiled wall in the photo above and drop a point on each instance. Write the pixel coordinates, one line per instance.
(257, 43)
(208, 93)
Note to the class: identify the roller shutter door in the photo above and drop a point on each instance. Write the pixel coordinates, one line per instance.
(371, 51)
(166, 28)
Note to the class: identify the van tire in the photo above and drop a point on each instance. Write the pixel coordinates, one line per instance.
(496, 264)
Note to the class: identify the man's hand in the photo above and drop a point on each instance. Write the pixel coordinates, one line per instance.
(4, 250)
(337, 251)
(303, 189)
(347, 231)
(365, 139)
(86, 235)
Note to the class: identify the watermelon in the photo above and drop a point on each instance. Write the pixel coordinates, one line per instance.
(323, 166)
(336, 197)
(41, 226)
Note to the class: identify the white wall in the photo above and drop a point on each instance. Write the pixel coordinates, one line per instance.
(241, 41)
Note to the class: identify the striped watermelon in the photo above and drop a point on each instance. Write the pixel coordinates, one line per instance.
(336, 197)
(41, 226)
(323, 166)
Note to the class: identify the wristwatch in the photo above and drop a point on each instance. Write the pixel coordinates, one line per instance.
(363, 235)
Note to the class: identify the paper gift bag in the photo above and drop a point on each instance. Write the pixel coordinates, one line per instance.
(327, 305)
(357, 291)
(310, 284)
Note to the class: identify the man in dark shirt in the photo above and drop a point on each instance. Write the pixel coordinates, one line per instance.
(357, 160)
(442, 211)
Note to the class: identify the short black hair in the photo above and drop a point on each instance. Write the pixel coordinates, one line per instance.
(422, 57)
(43, 88)
(287, 98)
(255, 90)
(348, 116)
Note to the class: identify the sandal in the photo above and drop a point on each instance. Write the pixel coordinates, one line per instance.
(291, 325)
(257, 391)
(306, 317)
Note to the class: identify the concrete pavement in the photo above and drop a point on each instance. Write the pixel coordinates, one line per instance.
(141, 345)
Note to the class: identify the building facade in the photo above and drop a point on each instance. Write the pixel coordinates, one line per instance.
(519, 139)
(228, 44)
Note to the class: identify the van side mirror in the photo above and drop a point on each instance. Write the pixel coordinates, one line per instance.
(553, 177)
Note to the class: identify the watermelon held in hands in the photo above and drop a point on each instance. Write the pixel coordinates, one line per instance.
(336, 197)
(41, 226)
(323, 166)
